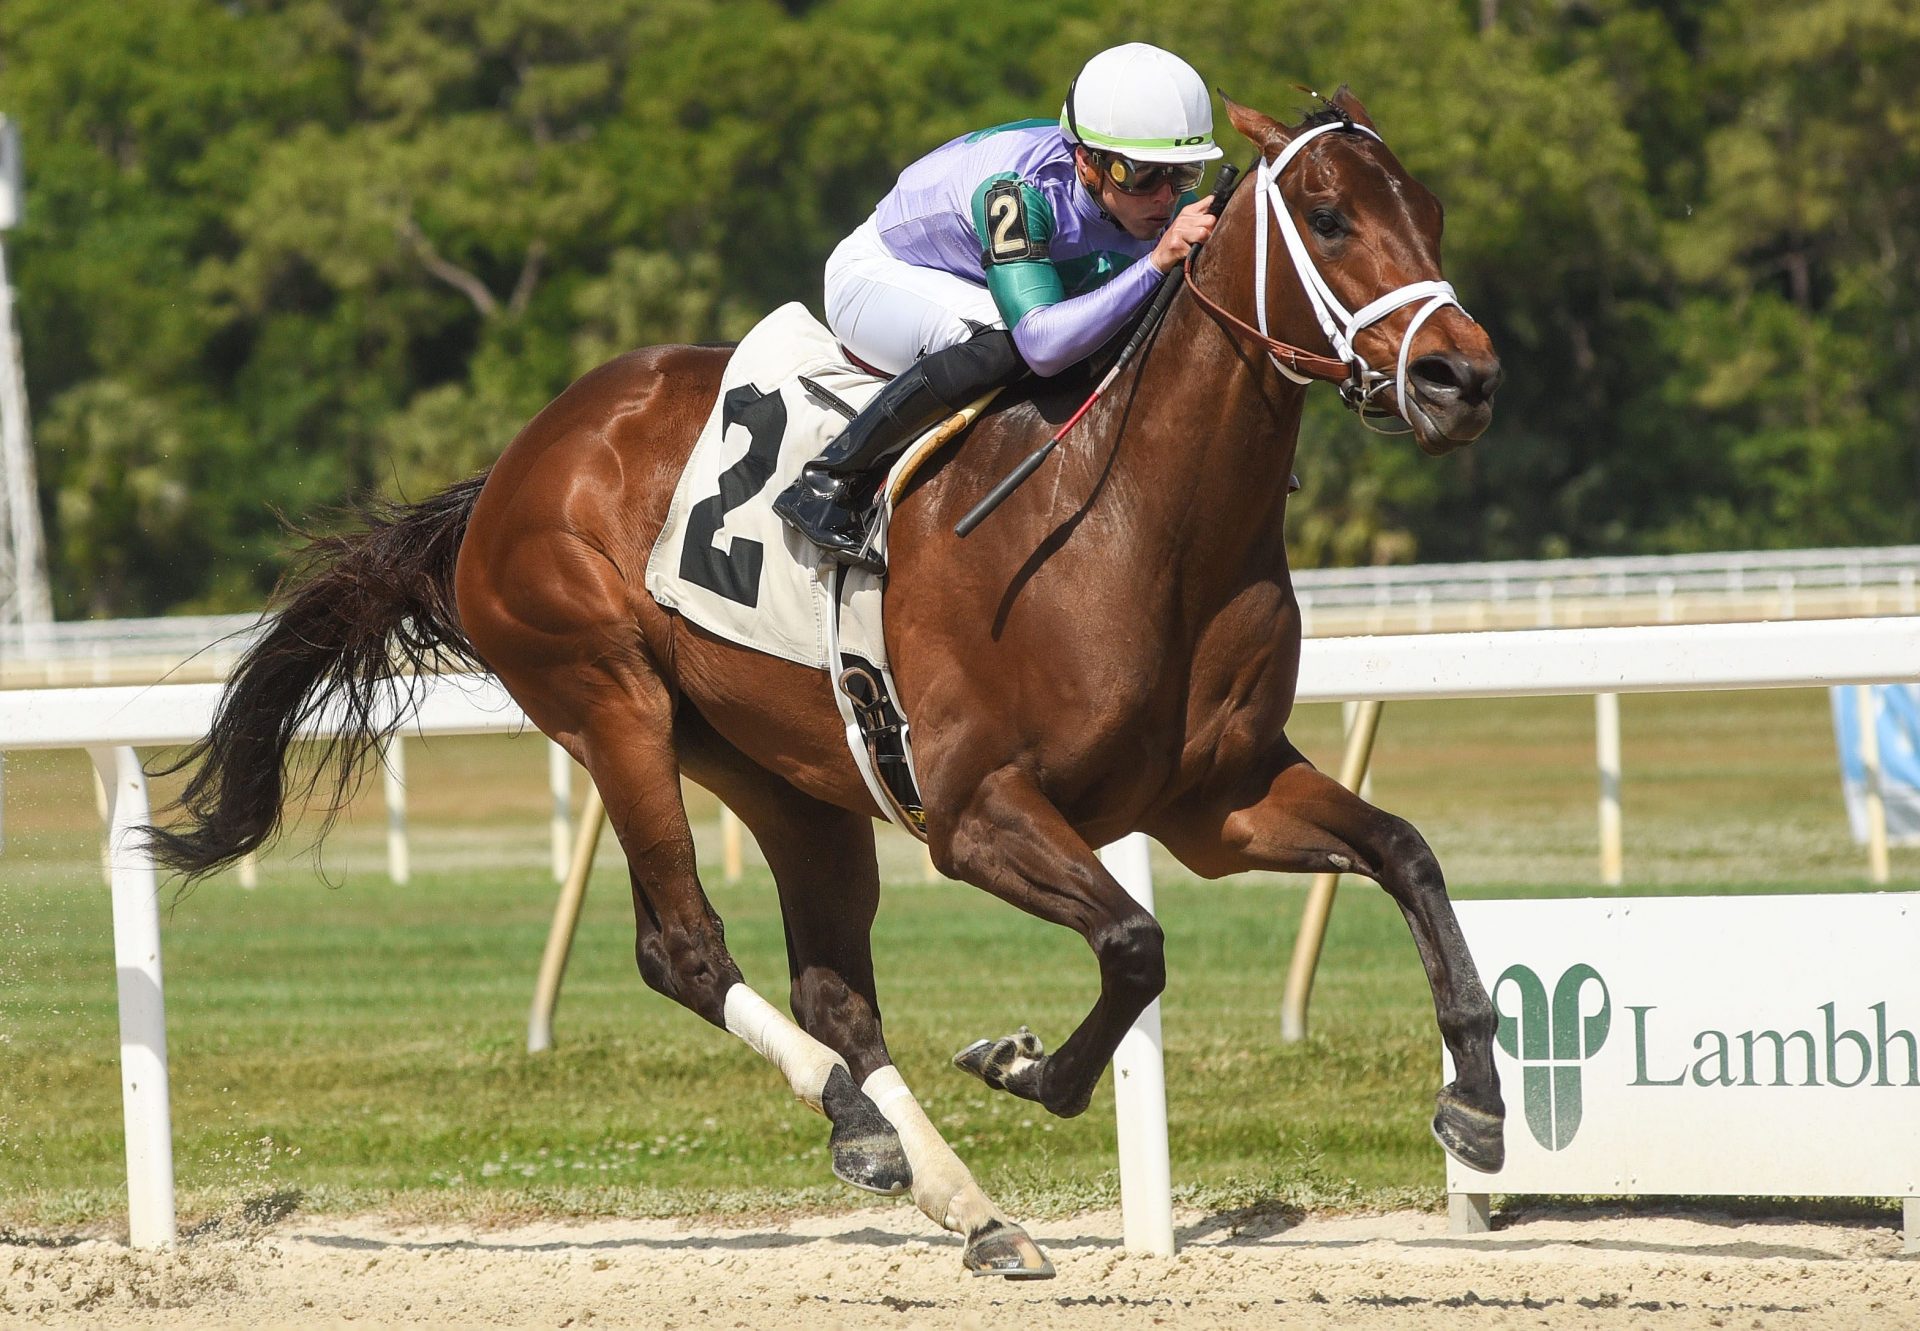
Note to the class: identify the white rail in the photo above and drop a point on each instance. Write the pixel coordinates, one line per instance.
(1732, 573)
(1671, 588)
(109, 723)
(1660, 658)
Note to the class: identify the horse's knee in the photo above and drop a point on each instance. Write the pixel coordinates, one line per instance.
(1133, 956)
(1404, 863)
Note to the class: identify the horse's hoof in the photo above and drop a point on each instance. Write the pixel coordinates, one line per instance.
(1003, 1249)
(1472, 1136)
(873, 1161)
(866, 1150)
(1011, 1063)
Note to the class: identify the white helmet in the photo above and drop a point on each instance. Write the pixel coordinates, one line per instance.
(1143, 103)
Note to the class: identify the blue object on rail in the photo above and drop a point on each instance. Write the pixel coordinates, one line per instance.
(1896, 710)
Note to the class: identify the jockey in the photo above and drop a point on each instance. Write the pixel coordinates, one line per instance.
(1009, 249)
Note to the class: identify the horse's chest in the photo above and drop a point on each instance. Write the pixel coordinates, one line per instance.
(1244, 673)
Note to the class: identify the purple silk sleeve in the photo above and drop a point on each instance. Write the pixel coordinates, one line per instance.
(1053, 337)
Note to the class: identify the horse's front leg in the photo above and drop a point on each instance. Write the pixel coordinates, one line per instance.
(1306, 822)
(1009, 839)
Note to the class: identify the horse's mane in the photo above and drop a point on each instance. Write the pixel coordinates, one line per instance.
(1326, 115)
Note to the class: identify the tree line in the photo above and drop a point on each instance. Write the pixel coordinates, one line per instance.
(279, 253)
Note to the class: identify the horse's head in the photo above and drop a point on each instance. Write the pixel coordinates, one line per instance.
(1363, 263)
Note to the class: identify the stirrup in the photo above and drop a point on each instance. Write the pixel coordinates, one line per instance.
(866, 555)
(842, 532)
(863, 555)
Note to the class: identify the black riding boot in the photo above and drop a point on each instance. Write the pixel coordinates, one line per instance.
(831, 503)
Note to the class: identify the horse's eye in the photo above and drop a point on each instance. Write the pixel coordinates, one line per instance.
(1326, 222)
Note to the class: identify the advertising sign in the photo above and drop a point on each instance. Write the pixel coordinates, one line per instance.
(1706, 1045)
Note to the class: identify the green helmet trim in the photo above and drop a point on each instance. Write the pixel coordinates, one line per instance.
(1100, 140)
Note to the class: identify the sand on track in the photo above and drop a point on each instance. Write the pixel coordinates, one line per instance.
(889, 1267)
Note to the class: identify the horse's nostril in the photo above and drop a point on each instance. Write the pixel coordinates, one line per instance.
(1457, 375)
(1440, 371)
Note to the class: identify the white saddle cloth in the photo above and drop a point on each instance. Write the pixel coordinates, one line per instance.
(724, 560)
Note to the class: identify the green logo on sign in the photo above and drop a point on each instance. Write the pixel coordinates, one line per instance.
(1550, 1042)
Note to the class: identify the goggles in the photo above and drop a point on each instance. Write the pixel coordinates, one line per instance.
(1131, 177)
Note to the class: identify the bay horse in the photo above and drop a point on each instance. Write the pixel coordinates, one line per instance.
(1116, 650)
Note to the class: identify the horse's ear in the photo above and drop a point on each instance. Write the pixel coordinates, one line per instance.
(1263, 131)
(1344, 100)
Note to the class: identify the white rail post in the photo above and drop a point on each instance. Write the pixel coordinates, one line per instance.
(394, 765)
(1878, 870)
(560, 785)
(1606, 710)
(1140, 1089)
(143, 1013)
(103, 805)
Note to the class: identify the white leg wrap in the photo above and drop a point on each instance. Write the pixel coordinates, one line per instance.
(942, 1187)
(805, 1062)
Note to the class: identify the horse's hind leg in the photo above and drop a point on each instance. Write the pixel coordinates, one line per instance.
(823, 863)
(1306, 822)
(822, 859)
(615, 714)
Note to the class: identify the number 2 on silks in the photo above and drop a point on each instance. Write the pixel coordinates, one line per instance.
(1007, 235)
(735, 572)
(1004, 212)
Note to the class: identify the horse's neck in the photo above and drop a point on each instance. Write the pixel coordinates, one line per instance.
(1213, 473)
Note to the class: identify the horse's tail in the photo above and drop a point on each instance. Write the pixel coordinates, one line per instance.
(363, 617)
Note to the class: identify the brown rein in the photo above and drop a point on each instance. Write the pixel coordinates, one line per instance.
(1297, 359)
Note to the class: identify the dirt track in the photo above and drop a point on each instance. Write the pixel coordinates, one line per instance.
(888, 1267)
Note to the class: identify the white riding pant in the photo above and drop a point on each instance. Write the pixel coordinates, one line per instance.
(890, 313)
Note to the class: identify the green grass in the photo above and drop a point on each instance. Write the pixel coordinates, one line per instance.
(361, 1045)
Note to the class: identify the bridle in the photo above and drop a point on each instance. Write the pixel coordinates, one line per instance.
(1360, 384)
